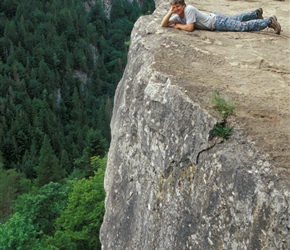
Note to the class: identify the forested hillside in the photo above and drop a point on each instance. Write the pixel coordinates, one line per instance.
(59, 66)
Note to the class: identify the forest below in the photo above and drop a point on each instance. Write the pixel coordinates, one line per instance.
(60, 63)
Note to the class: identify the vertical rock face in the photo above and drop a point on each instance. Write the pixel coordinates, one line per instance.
(168, 185)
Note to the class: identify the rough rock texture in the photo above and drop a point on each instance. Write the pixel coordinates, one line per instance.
(168, 184)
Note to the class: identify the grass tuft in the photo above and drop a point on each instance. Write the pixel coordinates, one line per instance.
(223, 107)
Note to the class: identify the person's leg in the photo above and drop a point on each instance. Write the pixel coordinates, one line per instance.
(224, 23)
(247, 16)
(242, 17)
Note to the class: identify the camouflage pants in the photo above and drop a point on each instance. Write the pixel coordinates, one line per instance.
(241, 22)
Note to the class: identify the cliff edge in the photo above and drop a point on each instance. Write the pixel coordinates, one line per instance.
(169, 184)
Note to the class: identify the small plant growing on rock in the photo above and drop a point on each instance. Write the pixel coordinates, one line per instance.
(223, 131)
(224, 108)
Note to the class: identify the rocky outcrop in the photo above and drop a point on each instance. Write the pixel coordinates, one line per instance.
(169, 184)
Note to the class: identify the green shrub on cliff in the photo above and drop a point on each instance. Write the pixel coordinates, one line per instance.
(223, 131)
(224, 107)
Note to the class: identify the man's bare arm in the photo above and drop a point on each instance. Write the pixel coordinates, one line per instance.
(165, 21)
(187, 27)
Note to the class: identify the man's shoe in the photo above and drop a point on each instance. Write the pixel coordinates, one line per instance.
(259, 13)
(275, 25)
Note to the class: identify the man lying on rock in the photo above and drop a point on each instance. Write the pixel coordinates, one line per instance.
(189, 18)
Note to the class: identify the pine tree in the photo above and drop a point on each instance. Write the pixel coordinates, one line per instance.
(27, 166)
(48, 169)
(8, 188)
(10, 31)
(65, 162)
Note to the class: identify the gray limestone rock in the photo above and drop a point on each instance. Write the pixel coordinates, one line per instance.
(169, 185)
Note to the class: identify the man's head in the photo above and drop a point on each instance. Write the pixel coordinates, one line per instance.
(181, 2)
(177, 7)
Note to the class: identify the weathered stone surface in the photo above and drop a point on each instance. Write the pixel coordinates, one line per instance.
(168, 186)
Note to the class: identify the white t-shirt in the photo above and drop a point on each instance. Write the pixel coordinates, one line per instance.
(200, 19)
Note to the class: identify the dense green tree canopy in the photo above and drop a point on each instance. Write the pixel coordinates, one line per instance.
(59, 67)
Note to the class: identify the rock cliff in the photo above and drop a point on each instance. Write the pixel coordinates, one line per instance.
(169, 184)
